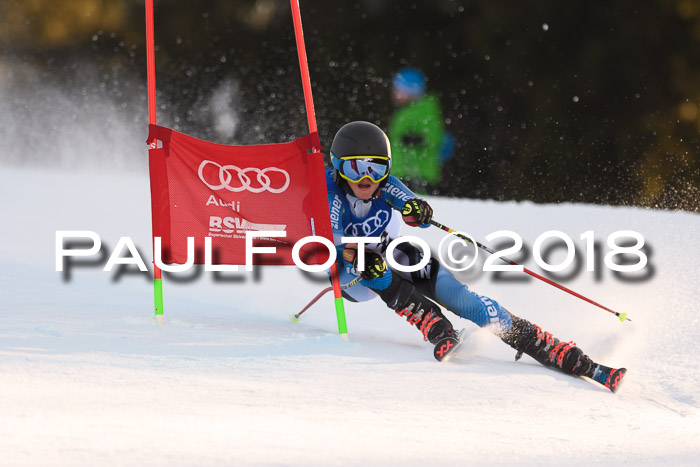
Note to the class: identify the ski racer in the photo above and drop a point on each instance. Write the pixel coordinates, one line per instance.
(366, 201)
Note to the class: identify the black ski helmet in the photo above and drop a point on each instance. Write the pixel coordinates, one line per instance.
(359, 139)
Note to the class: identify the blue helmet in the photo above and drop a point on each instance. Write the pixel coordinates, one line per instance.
(410, 81)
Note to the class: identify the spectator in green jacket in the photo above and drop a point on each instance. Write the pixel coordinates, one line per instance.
(419, 143)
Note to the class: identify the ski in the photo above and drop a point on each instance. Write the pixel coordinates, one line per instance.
(446, 346)
(608, 377)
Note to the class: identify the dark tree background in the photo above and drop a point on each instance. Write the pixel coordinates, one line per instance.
(549, 101)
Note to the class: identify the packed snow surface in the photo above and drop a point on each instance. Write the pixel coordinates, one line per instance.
(87, 376)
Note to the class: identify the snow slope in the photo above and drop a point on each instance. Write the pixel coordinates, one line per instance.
(88, 378)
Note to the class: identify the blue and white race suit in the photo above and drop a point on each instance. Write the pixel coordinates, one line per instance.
(380, 217)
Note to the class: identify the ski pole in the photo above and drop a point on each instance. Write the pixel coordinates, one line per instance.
(621, 316)
(323, 292)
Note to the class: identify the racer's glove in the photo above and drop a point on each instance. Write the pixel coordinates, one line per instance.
(375, 267)
(416, 212)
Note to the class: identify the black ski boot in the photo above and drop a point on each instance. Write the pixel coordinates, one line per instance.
(430, 322)
(528, 338)
(402, 297)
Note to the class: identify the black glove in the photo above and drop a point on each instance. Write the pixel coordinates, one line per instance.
(416, 212)
(375, 267)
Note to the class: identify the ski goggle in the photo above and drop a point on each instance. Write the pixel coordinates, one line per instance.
(356, 168)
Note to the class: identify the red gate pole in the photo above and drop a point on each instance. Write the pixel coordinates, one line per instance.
(151, 79)
(311, 117)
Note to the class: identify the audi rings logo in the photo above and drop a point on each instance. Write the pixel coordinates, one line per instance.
(369, 225)
(227, 172)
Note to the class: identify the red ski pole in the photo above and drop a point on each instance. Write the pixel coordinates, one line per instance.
(295, 317)
(622, 316)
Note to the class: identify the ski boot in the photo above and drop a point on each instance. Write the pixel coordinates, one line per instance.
(429, 320)
(435, 328)
(406, 301)
(528, 338)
